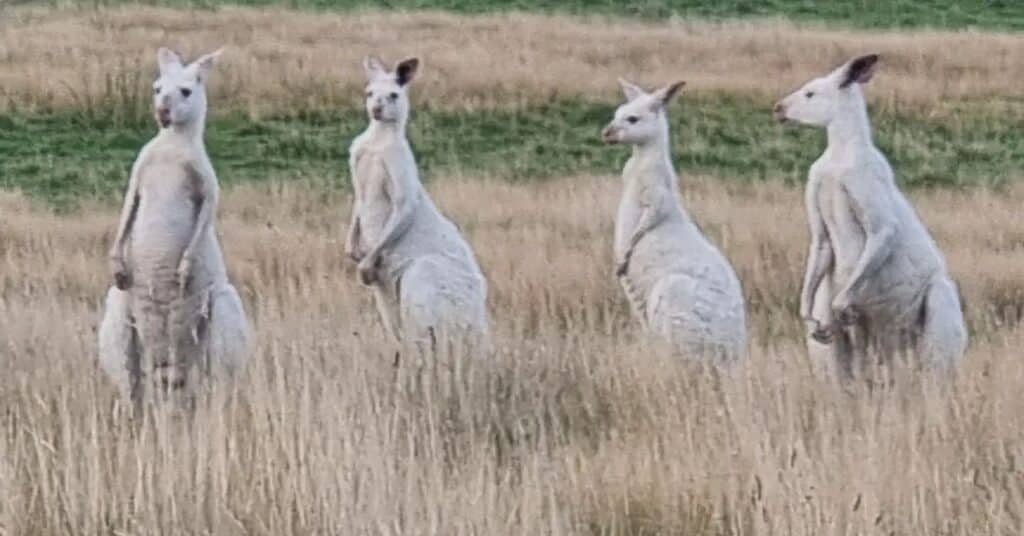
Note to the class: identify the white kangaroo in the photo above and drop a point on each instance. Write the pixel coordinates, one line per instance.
(172, 308)
(679, 285)
(875, 279)
(425, 278)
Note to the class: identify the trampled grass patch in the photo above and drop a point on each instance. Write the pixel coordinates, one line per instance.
(68, 156)
(947, 14)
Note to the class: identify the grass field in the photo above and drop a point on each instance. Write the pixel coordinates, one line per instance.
(985, 14)
(63, 158)
(576, 425)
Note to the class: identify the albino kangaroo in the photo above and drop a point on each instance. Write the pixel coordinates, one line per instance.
(425, 278)
(172, 307)
(875, 279)
(680, 286)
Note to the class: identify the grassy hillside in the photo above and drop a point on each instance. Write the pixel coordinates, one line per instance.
(950, 14)
(67, 156)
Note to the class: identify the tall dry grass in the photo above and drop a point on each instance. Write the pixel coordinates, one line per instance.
(575, 427)
(280, 61)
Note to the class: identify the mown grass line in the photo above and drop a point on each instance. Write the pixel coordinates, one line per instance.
(948, 14)
(65, 157)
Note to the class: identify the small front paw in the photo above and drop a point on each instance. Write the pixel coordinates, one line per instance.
(367, 271)
(122, 276)
(823, 334)
(123, 280)
(844, 311)
(354, 255)
(621, 268)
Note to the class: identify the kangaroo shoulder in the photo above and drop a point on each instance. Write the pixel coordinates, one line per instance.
(356, 148)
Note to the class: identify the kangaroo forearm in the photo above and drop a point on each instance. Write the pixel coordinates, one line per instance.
(202, 225)
(125, 225)
(876, 250)
(397, 225)
(818, 265)
(648, 220)
(353, 233)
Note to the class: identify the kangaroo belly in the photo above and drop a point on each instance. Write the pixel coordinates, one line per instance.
(430, 235)
(163, 227)
(373, 216)
(662, 253)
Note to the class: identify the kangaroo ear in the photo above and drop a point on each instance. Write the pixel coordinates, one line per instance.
(406, 70)
(631, 90)
(665, 94)
(205, 63)
(373, 67)
(860, 70)
(167, 59)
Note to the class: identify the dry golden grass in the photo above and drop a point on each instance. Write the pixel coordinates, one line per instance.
(575, 427)
(280, 60)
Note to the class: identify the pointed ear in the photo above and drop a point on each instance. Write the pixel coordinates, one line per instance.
(405, 71)
(631, 90)
(860, 70)
(374, 67)
(665, 94)
(205, 63)
(167, 59)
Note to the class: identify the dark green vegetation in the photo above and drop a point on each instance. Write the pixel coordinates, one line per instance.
(62, 158)
(1002, 14)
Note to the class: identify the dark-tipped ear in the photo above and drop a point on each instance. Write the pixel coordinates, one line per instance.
(405, 71)
(665, 94)
(860, 70)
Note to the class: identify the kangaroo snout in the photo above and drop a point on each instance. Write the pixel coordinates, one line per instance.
(779, 112)
(163, 115)
(610, 134)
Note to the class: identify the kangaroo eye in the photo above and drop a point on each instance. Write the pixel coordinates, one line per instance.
(185, 92)
(393, 96)
(809, 94)
(369, 94)
(156, 90)
(632, 119)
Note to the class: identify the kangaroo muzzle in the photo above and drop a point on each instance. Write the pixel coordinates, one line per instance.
(779, 112)
(610, 134)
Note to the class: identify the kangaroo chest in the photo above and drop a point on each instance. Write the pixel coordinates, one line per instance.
(845, 230)
(374, 200)
(169, 202)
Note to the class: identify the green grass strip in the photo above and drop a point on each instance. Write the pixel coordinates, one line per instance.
(65, 157)
(945, 14)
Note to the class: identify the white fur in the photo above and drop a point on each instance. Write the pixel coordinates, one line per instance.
(426, 280)
(875, 279)
(172, 310)
(679, 285)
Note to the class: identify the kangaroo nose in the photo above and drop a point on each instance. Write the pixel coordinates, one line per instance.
(779, 112)
(163, 115)
(608, 134)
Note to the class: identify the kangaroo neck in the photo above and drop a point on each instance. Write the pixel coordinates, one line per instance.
(851, 128)
(189, 134)
(652, 163)
(386, 130)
